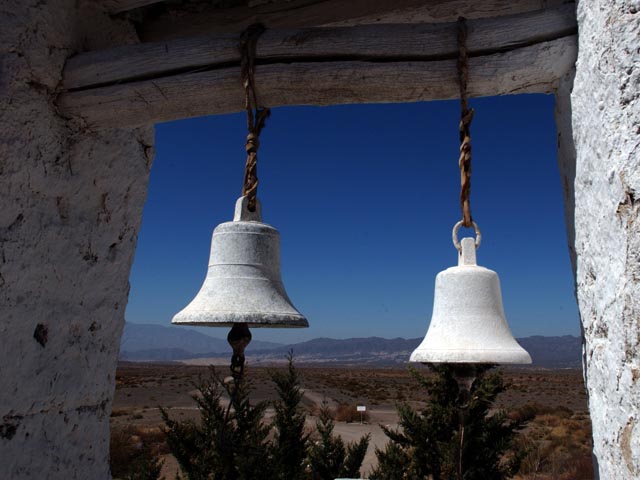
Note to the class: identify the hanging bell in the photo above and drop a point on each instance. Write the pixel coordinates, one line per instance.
(468, 323)
(243, 283)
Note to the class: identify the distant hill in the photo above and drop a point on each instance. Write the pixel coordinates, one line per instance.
(371, 351)
(546, 352)
(157, 343)
(554, 352)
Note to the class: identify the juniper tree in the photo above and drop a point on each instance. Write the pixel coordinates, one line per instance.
(354, 457)
(329, 458)
(427, 443)
(229, 442)
(290, 440)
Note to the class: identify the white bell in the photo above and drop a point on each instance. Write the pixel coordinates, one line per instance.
(243, 283)
(468, 323)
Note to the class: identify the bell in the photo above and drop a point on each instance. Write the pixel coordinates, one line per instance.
(468, 323)
(243, 283)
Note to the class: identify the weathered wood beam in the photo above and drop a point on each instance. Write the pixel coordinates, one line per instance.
(531, 69)
(178, 22)
(367, 42)
(119, 6)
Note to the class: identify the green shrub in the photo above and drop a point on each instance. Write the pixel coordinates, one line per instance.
(329, 457)
(290, 443)
(229, 443)
(434, 444)
(233, 442)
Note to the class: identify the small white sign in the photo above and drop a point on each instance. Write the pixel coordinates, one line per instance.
(361, 408)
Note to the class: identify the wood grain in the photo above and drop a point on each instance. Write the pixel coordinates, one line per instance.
(419, 42)
(532, 69)
(119, 6)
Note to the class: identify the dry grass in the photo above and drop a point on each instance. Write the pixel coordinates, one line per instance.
(558, 442)
(127, 445)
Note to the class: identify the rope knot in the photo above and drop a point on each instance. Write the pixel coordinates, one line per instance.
(253, 143)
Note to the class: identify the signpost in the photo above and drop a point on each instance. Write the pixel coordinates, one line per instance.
(361, 409)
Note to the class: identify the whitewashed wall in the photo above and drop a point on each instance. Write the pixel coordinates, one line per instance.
(70, 208)
(601, 177)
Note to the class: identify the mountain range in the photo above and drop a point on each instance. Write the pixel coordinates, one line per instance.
(156, 342)
(148, 342)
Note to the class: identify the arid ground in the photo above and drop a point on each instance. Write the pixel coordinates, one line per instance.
(558, 439)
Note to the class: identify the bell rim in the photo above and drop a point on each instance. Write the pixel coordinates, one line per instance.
(501, 356)
(253, 319)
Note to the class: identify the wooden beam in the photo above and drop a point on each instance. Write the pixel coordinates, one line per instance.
(368, 42)
(204, 19)
(119, 6)
(532, 69)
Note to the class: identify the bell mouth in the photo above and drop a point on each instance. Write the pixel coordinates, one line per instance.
(501, 356)
(252, 319)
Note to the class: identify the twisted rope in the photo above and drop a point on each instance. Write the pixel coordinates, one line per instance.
(256, 115)
(466, 116)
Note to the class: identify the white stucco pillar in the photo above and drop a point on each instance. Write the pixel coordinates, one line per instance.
(602, 186)
(71, 205)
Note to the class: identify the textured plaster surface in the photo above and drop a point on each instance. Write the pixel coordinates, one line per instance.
(606, 129)
(71, 204)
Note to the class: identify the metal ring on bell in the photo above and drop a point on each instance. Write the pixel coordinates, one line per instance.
(454, 235)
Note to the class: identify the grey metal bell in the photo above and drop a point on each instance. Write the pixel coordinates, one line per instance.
(243, 283)
(468, 323)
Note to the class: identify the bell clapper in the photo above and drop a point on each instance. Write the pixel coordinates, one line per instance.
(239, 337)
(464, 374)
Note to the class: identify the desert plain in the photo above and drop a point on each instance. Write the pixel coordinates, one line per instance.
(558, 439)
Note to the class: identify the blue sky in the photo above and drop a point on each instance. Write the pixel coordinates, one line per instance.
(365, 197)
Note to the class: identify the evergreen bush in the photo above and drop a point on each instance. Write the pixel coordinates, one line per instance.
(232, 441)
(329, 458)
(229, 442)
(289, 447)
(427, 443)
